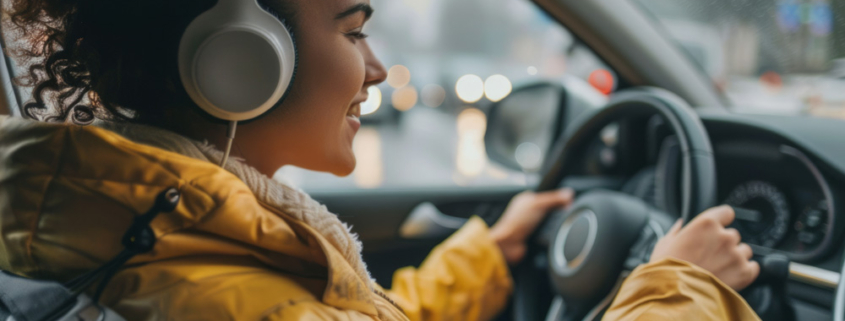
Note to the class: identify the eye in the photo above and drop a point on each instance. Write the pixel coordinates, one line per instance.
(357, 35)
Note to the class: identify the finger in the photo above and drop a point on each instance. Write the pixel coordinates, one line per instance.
(723, 214)
(746, 275)
(556, 198)
(676, 228)
(745, 250)
(753, 270)
(733, 236)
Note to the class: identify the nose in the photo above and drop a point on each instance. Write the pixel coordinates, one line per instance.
(375, 71)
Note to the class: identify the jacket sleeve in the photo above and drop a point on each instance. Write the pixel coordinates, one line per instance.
(464, 278)
(675, 290)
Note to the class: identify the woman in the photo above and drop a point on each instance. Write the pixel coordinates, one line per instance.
(241, 246)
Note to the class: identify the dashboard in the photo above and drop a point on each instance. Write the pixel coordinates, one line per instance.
(782, 201)
(783, 175)
(788, 173)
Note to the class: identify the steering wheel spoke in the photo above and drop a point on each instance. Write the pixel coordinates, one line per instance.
(658, 225)
(558, 312)
(556, 309)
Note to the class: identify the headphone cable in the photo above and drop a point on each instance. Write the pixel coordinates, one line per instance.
(230, 136)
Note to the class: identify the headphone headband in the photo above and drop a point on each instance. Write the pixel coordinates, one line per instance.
(236, 61)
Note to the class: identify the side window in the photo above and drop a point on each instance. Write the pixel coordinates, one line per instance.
(448, 61)
(8, 71)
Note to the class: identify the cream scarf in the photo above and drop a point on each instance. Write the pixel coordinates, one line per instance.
(283, 197)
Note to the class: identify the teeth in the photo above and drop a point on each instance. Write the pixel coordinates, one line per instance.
(354, 111)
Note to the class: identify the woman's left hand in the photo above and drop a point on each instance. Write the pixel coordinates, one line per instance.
(525, 211)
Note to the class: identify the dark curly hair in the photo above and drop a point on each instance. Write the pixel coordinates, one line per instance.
(104, 59)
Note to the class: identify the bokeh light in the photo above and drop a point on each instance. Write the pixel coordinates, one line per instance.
(602, 80)
(472, 121)
(772, 80)
(470, 88)
(404, 98)
(610, 135)
(497, 87)
(433, 95)
(532, 70)
(398, 76)
(369, 171)
(373, 101)
(471, 153)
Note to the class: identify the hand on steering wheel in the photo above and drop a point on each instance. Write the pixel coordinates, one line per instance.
(522, 216)
(707, 243)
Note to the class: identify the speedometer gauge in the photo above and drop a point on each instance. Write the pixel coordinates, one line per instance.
(762, 213)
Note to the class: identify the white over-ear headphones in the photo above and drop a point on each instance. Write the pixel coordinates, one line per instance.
(236, 60)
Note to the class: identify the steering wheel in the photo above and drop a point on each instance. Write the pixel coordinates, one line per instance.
(604, 234)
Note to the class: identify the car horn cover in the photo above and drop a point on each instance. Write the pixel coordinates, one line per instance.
(589, 249)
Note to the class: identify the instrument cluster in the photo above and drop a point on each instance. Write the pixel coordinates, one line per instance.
(782, 201)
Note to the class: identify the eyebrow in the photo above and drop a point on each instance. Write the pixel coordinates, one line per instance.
(361, 7)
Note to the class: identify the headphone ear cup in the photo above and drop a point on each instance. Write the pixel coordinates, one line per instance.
(237, 71)
(236, 61)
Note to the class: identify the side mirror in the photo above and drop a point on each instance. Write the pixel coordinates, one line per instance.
(526, 124)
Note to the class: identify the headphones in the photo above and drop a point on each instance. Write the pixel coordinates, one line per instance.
(236, 60)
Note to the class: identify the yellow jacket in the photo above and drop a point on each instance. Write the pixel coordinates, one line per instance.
(68, 193)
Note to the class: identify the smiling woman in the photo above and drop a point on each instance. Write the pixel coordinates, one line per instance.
(238, 245)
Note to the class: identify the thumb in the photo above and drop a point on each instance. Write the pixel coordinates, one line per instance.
(676, 228)
(556, 198)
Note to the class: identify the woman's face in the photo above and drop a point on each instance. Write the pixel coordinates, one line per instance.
(315, 125)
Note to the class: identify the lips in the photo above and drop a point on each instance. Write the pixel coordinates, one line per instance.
(353, 114)
(353, 117)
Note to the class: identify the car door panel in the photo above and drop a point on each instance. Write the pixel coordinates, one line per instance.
(378, 216)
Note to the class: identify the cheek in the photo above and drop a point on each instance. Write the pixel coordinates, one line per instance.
(336, 70)
(331, 74)
(329, 78)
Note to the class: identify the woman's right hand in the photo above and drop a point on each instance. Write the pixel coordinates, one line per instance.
(707, 243)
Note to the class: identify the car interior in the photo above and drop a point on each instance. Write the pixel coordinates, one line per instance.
(663, 146)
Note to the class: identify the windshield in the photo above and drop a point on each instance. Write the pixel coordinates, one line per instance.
(766, 56)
